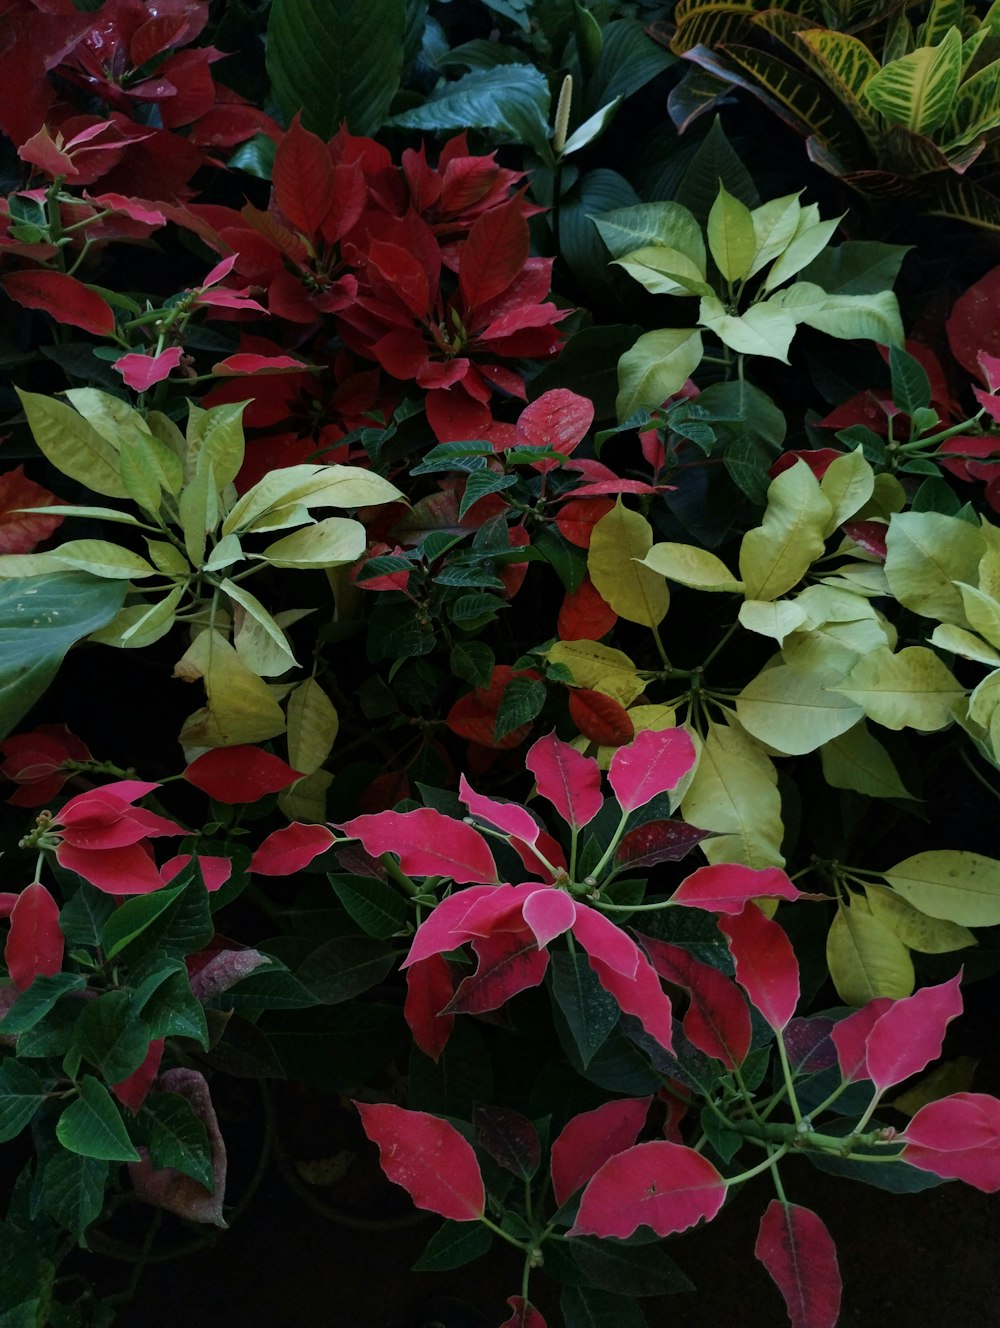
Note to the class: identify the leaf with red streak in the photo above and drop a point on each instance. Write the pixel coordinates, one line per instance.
(429, 988)
(21, 531)
(494, 253)
(600, 718)
(240, 774)
(427, 843)
(506, 816)
(557, 420)
(303, 178)
(908, 1036)
(957, 1138)
(509, 962)
(578, 517)
(717, 1020)
(766, 967)
(661, 1185)
(509, 1138)
(654, 763)
(584, 614)
(567, 779)
(62, 297)
(590, 1139)
(658, 841)
(428, 1158)
(35, 941)
(524, 1315)
(727, 887)
(850, 1037)
(290, 849)
(795, 1247)
(868, 535)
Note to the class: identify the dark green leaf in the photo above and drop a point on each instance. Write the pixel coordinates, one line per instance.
(480, 484)
(35, 1003)
(110, 1037)
(447, 457)
(590, 1011)
(83, 917)
(336, 60)
(21, 1094)
(568, 562)
(725, 1141)
(462, 1078)
(715, 161)
(457, 1243)
(73, 1191)
(377, 908)
(468, 609)
(345, 967)
(633, 1270)
(936, 495)
(174, 1011)
(40, 618)
(856, 267)
(911, 388)
(473, 662)
(93, 1127)
(588, 364)
(133, 917)
(629, 60)
(522, 701)
(177, 1137)
(511, 102)
(584, 1308)
(482, 54)
(581, 246)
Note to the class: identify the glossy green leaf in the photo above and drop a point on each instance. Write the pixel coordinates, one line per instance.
(453, 1245)
(21, 1094)
(918, 89)
(177, 1137)
(511, 102)
(73, 1191)
(92, 1126)
(110, 1037)
(590, 1012)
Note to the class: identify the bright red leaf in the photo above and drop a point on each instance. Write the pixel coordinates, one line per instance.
(509, 962)
(578, 517)
(246, 363)
(21, 531)
(766, 967)
(717, 1020)
(303, 178)
(524, 1315)
(588, 1140)
(600, 718)
(584, 615)
(558, 420)
(35, 941)
(474, 715)
(957, 1138)
(661, 1185)
(567, 779)
(428, 1158)
(795, 1247)
(290, 849)
(429, 988)
(240, 774)
(63, 297)
(427, 843)
(727, 887)
(655, 762)
(494, 253)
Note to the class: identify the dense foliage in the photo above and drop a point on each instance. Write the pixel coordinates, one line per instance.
(572, 714)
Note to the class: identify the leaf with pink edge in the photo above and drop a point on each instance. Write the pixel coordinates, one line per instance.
(567, 779)
(658, 841)
(666, 1187)
(957, 1138)
(795, 1247)
(506, 816)
(766, 967)
(548, 913)
(588, 1140)
(850, 1037)
(641, 996)
(427, 843)
(442, 929)
(655, 762)
(908, 1036)
(428, 1158)
(726, 887)
(717, 1020)
(291, 849)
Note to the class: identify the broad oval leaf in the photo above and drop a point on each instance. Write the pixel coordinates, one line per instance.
(656, 367)
(957, 1138)
(618, 544)
(428, 1158)
(290, 849)
(952, 884)
(427, 843)
(661, 1185)
(654, 763)
(766, 967)
(239, 774)
(587, 1141)
(908, 1036)
(795, 1247)
(567, 779)
(35, 942)
(726, 887)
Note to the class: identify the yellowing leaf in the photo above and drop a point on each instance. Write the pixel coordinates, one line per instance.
(140, 625)
(910, 690)
(927, 553)
(734, 792)
(691, 566)
(309, 486)
(915, 929)
(763, 329)
(98, 557)
(847, 485)
(856, 760)
(199, 512)
(260, 642)
(599, 668)
(312, 726)
(665, 271)
(982, 612)
(778, 553)
(830, 652)
(792, 712)
(306, 799)
(619, 542)
(774, 618)
(329, 543)
(865, 958)
(774, 226)
(958, 641)
(951, 884)
(73, 445)
(240, 706)
(656, 367)
(731, 236)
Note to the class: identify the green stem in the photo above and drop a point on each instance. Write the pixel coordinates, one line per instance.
(632, 908)
(396, 873)
(917, 444)
(786, 1071)
(504, 1235)
(609, 851)
(768, 1164)
(659, 646)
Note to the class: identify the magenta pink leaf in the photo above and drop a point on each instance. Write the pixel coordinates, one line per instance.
(127, 870)
(35, 941)
(524, 1315)
(215, 871)
(427, 843)
(726, 887)
(509, 1138)
(240, 774)
(429, 988)
(443, 930)
(141, 372)
(795, 1247)
(603, 940)
(548, 913)
(588, 1140)
(909, 1034)
(428, 1158)
(658, 841)
(290, 849)
(850, 1037)
(506, 816)
(717, 1020)
(569, 780)
(509, 962)
(957, 1138)
(660, 1185)
(766, 967)
(656, 761)
(640, 996)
